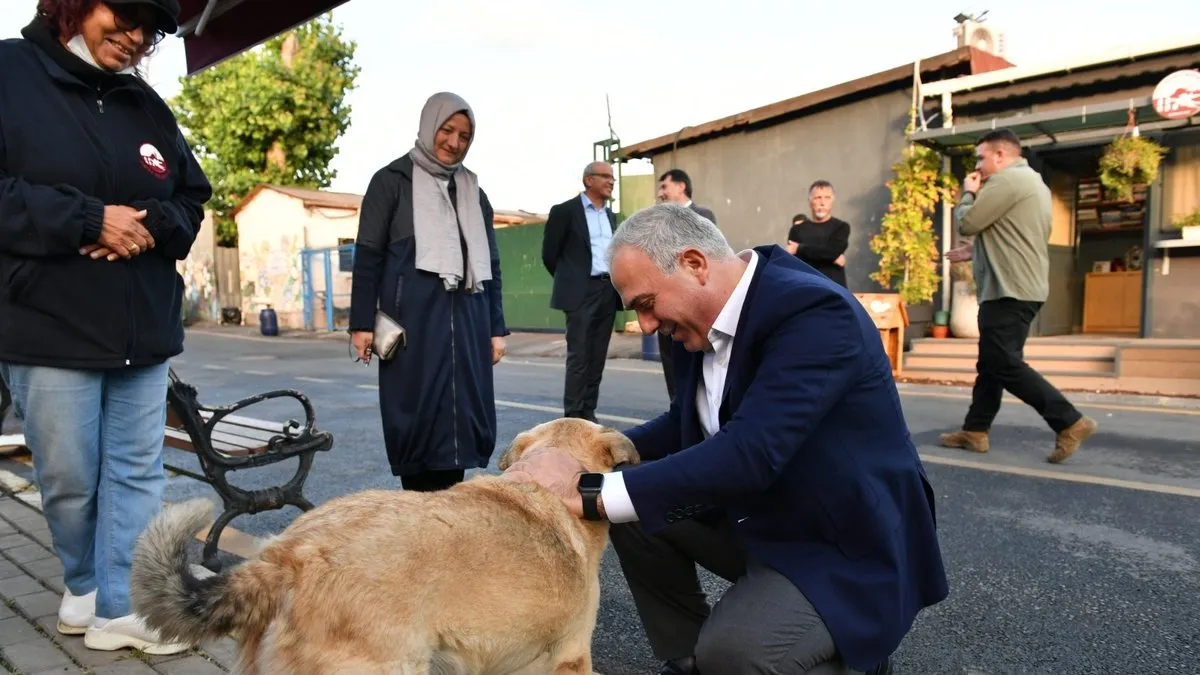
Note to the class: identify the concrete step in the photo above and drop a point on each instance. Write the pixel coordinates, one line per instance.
(1068, 380)
(949, 347)
(1096, 382)
(1064, 364)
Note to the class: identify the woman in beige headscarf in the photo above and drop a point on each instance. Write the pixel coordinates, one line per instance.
(426, 256)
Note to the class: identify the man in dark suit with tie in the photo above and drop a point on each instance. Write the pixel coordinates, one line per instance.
(576, 236)
(784, 465)
(675, 186)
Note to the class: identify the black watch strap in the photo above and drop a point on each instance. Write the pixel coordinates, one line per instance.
(590, 485)
(591, 506)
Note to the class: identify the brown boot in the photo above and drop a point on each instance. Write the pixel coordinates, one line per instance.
(1071, 438)
(975, 441)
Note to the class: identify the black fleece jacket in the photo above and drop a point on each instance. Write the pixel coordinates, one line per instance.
(74, 139)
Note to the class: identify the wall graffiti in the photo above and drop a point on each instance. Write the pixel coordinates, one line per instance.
(271, 274)
(199, 289)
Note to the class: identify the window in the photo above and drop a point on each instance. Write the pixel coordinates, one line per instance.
(345, 255)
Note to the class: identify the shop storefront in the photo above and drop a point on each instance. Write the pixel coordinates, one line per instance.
(1120, 263)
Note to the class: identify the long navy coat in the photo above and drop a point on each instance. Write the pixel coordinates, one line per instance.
(436, 396)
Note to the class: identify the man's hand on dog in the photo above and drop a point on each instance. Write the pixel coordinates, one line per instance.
(554, 470)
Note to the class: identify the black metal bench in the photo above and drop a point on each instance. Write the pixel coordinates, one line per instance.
(224, 442)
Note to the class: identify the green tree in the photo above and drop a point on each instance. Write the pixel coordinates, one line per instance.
(909, 259)
(270, 115)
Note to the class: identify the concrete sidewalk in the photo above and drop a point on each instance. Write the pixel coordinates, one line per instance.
(30, 591)
(622, 345)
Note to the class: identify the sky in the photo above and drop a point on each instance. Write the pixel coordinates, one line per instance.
(536, 72)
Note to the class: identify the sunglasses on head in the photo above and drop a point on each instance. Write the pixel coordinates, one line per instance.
(132, 17)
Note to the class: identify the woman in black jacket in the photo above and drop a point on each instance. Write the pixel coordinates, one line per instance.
(426, 256)
(99, 197)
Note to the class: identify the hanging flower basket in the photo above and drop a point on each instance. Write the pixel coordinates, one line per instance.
(1127, 162)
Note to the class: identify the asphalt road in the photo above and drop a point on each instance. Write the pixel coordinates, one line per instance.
(1090, 567)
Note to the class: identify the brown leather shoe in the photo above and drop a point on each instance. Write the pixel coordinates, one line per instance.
(1071, 438)
(975, 441)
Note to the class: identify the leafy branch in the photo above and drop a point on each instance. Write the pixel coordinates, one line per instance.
(906, 243)
(270, 115)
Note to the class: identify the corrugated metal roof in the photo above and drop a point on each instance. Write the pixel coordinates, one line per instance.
(1096, 77)
(1072, 64)
(345, 200)
(975, 60)
(311, 198)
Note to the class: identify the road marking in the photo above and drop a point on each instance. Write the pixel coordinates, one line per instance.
(258, 372)
(320, 380)
(253, 338)
(560, 366)
(1078, 404)
(213, 366)
(950, 461)
(558, 411)
(373, 387)
(1068, 477)
(256, 357)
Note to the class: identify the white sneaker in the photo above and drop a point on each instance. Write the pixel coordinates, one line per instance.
(76, 613)
(129, 632)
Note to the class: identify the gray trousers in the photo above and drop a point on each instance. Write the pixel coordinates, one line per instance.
(762, 624)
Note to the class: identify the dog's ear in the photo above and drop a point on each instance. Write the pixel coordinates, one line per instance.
(517, 448)
(618, 448)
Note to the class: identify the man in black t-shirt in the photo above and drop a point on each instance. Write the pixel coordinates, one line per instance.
(821, 241)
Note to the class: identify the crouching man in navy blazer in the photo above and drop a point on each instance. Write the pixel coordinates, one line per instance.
(783, 465)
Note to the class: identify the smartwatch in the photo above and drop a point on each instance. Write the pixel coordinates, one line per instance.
(589, 488)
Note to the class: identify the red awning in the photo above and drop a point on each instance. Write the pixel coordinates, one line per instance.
(214, 30)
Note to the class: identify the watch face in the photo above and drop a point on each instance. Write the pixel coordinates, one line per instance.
(591, 481)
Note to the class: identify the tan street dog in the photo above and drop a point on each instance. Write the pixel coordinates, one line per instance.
(493, 575)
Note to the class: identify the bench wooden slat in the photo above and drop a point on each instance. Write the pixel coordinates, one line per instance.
(234, 435)
(230, 436)
(179, 439)
(238, 440)
(250, 423)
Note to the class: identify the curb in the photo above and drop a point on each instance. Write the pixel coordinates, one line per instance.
(31, 588)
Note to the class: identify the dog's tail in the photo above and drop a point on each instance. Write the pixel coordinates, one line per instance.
(181, 606)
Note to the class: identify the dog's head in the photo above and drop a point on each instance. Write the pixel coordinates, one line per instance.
(599, 448)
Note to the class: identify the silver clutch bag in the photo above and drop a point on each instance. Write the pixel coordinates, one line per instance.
(389, 336)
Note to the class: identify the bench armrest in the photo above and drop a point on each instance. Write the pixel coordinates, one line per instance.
(289, 438)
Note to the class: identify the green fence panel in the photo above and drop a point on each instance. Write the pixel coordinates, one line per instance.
(527, 285)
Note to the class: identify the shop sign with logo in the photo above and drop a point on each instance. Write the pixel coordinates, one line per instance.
(1177, 96)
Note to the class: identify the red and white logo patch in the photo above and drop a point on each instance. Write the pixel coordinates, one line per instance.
(152, 161)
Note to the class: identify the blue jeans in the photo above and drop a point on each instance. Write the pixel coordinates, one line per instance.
(97, 444)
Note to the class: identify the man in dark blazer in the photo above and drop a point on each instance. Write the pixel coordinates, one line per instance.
(784, 465)
(574, 242)
(675, 186)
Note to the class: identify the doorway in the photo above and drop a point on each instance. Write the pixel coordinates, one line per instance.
(1096, 251)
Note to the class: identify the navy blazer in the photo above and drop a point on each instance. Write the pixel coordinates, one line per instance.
(813, 461)
(567, 252)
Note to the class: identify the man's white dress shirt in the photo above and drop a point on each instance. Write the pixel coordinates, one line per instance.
(709, 391)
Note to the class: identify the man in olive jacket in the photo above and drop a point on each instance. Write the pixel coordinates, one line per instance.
(1005, 207)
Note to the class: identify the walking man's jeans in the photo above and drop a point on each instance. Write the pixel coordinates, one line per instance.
(97, 444)
(1003, 327)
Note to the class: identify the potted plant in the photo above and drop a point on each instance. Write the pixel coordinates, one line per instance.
(964, 305)
(909, 261)
(1188, 225)
(1127, 162)
(941, 324)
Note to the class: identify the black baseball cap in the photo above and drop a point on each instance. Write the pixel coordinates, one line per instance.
(167, 11)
